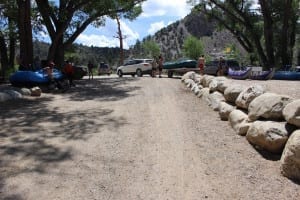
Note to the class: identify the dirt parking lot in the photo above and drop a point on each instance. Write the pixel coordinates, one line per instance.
(132, 138)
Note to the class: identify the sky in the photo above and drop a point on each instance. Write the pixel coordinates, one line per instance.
(156, 15)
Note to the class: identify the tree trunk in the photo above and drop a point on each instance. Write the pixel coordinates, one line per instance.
(60, 56)
(284, 43)
(120, 36)
(3, 55)
(12, 42)
(268, 32)
(25, 32)
(12, 51)
(56, 52)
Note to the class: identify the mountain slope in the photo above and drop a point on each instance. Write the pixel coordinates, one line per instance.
(171, 38)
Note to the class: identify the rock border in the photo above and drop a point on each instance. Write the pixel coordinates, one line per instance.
(266, 119)
(14, 93)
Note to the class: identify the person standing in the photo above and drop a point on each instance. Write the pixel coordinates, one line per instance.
(160, 65)
(53, 83)
(201, 63)
(69, 72)
(49, 70)
(221, 67)
(90, 68)
(154, 67)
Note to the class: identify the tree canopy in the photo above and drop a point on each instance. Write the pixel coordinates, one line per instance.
(67, 20)
(193, 47)
(151, 48)
(267, 29)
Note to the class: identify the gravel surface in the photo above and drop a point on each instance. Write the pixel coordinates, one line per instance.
(132, 138)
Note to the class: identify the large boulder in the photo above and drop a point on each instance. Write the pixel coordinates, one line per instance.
(202, 91)
(224, 110)
(194, 87)
(268, 106)
(232, 92)
(204, 94)
(189, 83)
(239, 122)
(290, 159)
(223, 85)
(269, 135)
(188, 75)
(291, 113)
(248, 94)
(14, 94)
(206, 80)
(214, 100)
(36, 91)
(197, 78)
(25, 91)
(4, 97)
(213, 85)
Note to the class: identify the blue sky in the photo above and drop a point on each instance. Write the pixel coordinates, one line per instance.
(156, 15)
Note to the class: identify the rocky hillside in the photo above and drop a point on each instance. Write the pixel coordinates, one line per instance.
(171, 38)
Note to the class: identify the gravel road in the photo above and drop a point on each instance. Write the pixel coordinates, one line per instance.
(129, 139)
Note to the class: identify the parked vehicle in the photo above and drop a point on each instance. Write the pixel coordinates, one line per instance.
(180, 66)
(80, 72)
(211, 67)
(134, 67)
(104, 69)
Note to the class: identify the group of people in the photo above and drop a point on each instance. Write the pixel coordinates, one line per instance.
(67, 70)
(157, 63)
(221, 65)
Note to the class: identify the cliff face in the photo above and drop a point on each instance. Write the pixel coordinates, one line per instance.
(171, 38)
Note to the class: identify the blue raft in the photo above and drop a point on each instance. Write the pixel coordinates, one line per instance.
(286, 75)
(239, 74)
(33, 78)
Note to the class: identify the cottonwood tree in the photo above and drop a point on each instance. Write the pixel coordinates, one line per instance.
(151, 48)
(67, 20)
(193, 47)
(267, 31)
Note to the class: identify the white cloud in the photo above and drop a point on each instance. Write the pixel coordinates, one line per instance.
(97, 40)
(101, 40)
(170, 22)
(131, 36)
(155, 27)
(165, 8)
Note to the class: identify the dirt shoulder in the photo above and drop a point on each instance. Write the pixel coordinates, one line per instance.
(130, 138)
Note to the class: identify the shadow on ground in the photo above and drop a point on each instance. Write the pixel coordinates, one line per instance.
(33, 134)
(107, 89)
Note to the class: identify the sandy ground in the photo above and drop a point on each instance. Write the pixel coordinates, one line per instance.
(132, 138)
